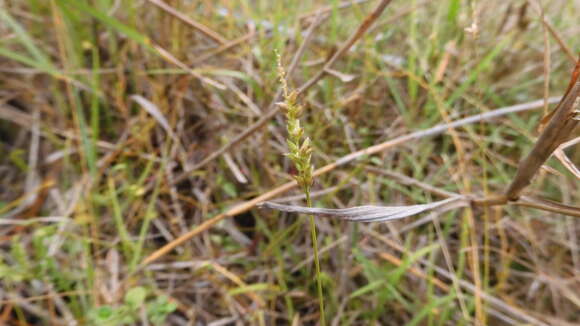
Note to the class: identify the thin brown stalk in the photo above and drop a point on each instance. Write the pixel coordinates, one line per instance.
(328, 9)
(171, 58)
(547, 61)
(198, 26)
(247, 205)
(548, 27)
(408, 181)
(527, 201)
(559, 129)
(548, 205)
(224, 47)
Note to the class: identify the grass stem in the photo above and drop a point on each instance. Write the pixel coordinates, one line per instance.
(316, 260)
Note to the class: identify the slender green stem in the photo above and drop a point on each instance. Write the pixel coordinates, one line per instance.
(316, 260)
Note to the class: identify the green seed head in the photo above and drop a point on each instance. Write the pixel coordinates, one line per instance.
(300, 150)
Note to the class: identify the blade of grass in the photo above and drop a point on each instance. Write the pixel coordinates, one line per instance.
(128, 246)
(26, 40)
(426, 309)
(137, 37)
(472, 77)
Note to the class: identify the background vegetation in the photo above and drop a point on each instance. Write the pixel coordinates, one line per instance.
(113, 113)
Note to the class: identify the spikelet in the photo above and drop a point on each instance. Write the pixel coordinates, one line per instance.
(300, 150)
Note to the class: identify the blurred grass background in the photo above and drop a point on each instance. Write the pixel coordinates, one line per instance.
(104, 103)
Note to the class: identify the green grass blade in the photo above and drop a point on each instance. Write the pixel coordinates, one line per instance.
(126, 242)
(25, 39)
(483, 65)
(109, 21)
(25, 60)
(419, 316)
(374, 285)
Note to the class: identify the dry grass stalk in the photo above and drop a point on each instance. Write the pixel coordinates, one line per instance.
(374, 213)
(198, 26)
(558, 130)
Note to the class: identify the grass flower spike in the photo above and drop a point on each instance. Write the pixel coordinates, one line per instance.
(300, 152)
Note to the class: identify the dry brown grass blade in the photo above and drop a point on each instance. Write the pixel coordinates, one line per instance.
(32, 309)
(565, 160)
(171, 58)
(373, 213)
(408, 181)
(238, 281)
(328, 9)
(156, 113)
(247, 205)
(211, 54)
(575, 75)
(548, 205)
(558, 130)
(547, 61)
(527, 201)
(198, 26)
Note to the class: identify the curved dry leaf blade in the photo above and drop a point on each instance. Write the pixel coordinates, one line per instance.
(548, 205)
(372, 213)
(567, 162)
(575, 76)
(345, 78)
(154, 111)
(558, 129)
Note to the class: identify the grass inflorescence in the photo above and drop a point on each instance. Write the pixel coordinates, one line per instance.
(300, 153)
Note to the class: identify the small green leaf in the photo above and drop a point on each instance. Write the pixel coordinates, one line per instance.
(367, 288)
(17, 158)
(109, 21)
(230, 189)
(104, 313)
(135, 297)
(159, 309)
(253, 288)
